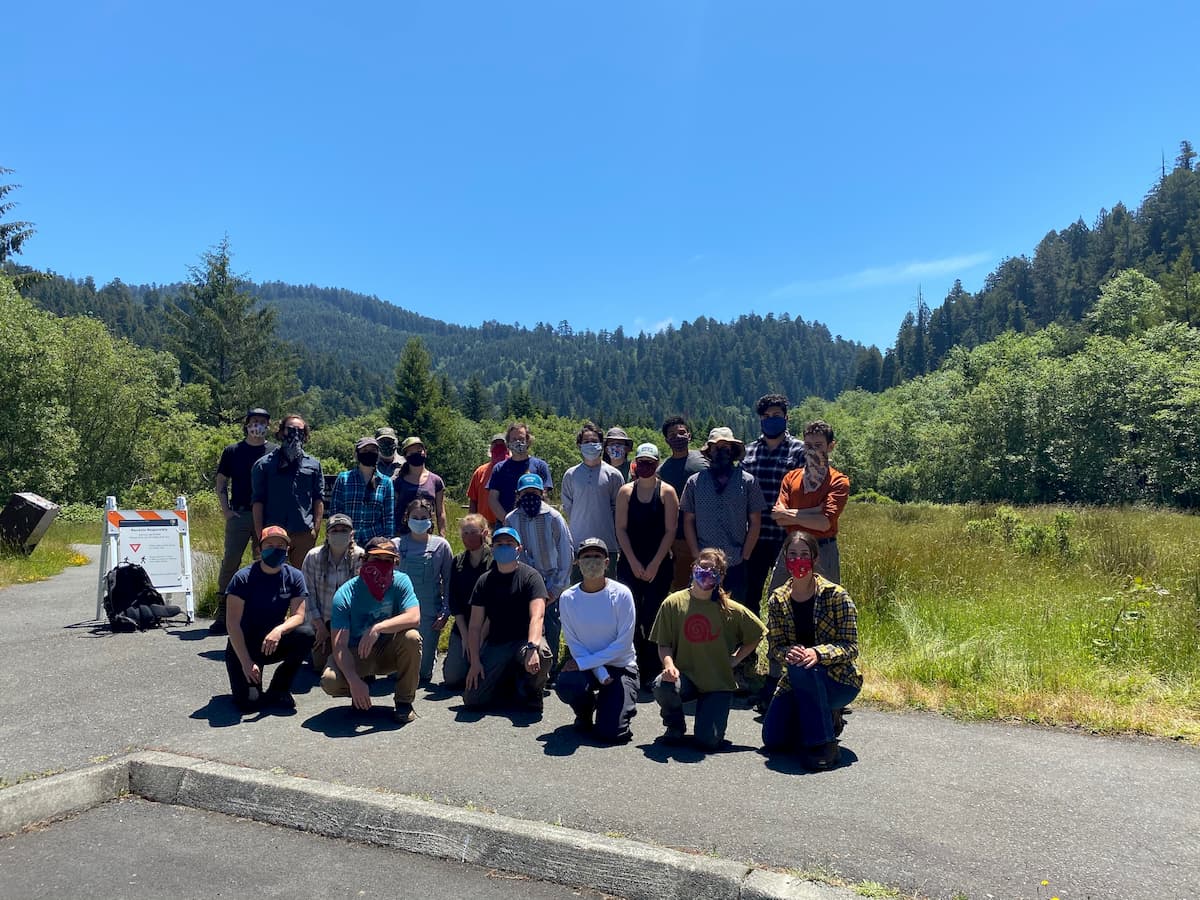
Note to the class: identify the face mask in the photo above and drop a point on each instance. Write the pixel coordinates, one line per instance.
(590, 450)
(256, 430)
(616, 452)
(592, 567)
(368, 459)
(645, 468)
(416, 459)
(472, 541)
(531, 504)
(377, 576)
(816, 467)
(705, 579)
(504, 553)
(518, 447)
(293, 443)
(774, 426)
(338, 540)
(679, 442)
(420, 526)
(274, 556)
(387, 447)
(800, 567)
(721, 460)
(499, 454)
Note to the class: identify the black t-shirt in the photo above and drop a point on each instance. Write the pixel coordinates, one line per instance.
(505, 598)
(806, 628)
(236, 462)
(462, 581)
(267, 597)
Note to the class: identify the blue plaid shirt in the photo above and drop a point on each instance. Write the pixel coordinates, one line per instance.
(369, 506)
(768, 468)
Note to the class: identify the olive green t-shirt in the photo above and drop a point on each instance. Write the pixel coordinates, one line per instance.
(705, 637)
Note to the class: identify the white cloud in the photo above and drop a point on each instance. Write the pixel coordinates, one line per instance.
(640, 324)
(882, 276)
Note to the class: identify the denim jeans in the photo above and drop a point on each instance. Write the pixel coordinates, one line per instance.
(614, 703)
(712, 709)
(552, 629)
(429, 642)
(803, 716)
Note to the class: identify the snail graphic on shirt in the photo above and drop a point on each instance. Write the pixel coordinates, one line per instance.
(698, 629)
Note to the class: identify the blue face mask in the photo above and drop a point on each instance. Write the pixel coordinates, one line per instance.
(504, 553)
(420, 526)
(774, 426)
(274, 556)
(590, 450)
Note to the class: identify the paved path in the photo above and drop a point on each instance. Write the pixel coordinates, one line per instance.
(923, 802)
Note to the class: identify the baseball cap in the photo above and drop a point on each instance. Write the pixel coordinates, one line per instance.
(365, 442)
(592, 543)
(499, 436)
(339, 519)
(646, 451)
(511, 532)
(385, 432)
(257, 411)
(274, 531)
(529, 480)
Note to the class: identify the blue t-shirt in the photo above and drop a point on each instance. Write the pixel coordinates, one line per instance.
(354, 607)
(506, 474)
(267, 596)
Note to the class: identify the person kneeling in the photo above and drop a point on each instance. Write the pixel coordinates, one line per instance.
(813, 632)
(599, 620)
(375, 618)
(702, 635)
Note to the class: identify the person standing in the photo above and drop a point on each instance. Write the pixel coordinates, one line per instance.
(702, 634)
(414, 480)
(547, 547)
(477, 492)
(589, 493)
(617, 447)
(233, 496)
(427, 560)
(600, 680)
(288, 490)
(647, 511)
(326, 568)
(675, 470)
(722, 508)
(266, 625)
(502, 485)
(388, 462)
(365, 495)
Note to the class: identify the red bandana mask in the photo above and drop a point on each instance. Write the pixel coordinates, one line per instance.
(377, 575)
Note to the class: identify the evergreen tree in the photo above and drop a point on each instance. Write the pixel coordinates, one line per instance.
(12, 234)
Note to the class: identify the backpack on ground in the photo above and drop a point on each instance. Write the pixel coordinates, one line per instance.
(131, 601)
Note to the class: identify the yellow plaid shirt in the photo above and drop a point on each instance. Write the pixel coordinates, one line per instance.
(835, 626)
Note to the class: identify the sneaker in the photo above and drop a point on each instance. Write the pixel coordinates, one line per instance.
(822, 756)
(674, 734)
(404, 713)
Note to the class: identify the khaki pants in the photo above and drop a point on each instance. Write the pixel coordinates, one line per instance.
(302, 542)
(399, 653)
(683, 564)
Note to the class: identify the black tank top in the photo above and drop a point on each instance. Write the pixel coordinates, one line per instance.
(644, 524)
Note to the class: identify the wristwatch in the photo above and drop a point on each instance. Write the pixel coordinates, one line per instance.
(529, 645)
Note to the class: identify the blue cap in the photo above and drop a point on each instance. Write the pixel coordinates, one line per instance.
(511, 532)
(529, 480)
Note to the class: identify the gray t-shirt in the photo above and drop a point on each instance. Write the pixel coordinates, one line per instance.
(676, 472)
(722, 519)
(589, 501)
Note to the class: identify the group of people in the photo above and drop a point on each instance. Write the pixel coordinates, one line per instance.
(651, 577)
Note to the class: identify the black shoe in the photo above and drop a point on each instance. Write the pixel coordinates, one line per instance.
(404, 713)
(839, 721)
(251, 703)
(279, 699)
(822, 756)
(674, 734)
(583, 722)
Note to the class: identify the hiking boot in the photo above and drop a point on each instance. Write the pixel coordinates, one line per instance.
(822, 756)
(404, 713)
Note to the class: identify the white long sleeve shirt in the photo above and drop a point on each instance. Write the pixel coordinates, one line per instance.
(599, 627)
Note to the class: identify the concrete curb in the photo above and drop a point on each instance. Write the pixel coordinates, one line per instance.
(617, 866)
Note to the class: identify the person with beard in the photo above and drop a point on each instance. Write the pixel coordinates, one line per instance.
(722, 507)
(233, 496)
(388, 462)
(365, 495)
(288, 490)
(265, 611)
(375, 618)
(812, 628)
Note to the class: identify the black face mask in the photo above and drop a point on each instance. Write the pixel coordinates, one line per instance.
(416, 459)
(368, 459)
(387, 448)
(721, 460)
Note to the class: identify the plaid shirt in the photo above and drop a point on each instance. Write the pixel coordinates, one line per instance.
(835, 621)
(370, 506)
(768, 467)
(324, 577)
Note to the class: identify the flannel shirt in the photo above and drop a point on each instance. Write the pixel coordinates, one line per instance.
(368, 506)
(835, 622)
(324, 577)
(768, 467)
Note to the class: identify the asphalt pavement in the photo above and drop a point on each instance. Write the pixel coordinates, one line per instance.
(921, 801)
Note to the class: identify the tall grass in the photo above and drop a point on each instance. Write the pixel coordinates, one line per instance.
(1097, 626)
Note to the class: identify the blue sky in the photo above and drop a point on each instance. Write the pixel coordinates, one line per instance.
(609, 164)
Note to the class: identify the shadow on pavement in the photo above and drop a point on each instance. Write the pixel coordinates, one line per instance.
(220, 712)
(564, 740)
(93, 628)
(521, 718)
(661, 752)
(217, 655)
(191, 634)
(345, 721)
(790, 764)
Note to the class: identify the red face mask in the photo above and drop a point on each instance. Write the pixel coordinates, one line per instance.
(645, 468)
(800, 566)
(377, 574)
(499, 453)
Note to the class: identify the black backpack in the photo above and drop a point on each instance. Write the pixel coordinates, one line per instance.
(131, 601)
